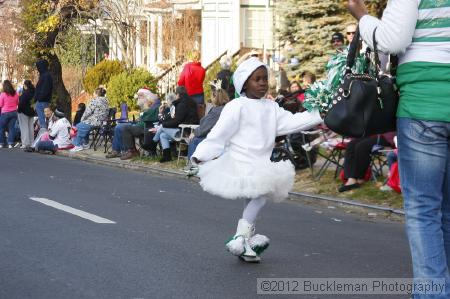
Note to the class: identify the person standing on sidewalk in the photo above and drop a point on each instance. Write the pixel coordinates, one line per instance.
(26, 114)
(9, 99)
(419, 32)
(192, 78)
(43, 92)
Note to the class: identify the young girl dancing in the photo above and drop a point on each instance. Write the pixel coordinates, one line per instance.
(234, 159)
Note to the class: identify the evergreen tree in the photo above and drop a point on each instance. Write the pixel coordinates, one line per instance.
(309, 24)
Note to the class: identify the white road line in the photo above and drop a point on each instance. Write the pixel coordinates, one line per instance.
(79, 213)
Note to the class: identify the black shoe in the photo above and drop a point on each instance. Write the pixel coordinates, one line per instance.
(28, 149)
(345, 188)
(167, 156)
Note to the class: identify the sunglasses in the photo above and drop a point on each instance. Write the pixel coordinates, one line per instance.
(351, 33)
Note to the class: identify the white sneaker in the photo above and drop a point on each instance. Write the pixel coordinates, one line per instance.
(76, 149)
(307, 147)
(2, 146)
(85, 146)
(10, 146)
(386, 188)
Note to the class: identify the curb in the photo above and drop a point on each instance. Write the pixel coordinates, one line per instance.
(179, 174)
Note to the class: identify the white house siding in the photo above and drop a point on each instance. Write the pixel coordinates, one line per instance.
(220, 28)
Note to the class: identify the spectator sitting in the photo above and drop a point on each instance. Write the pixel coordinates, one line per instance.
(96, 112)
(9, 100)
(308, 78)
(123, 145)
(58, 134)
(297, 91)
(79, 113)
(185, 113)
(219, 99)
(167, 109)
(357, 158)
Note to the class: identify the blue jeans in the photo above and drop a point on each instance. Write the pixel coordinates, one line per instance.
(46, 146)
(40, 106)
(424, 164)
(82, 134)
(117, 139)
(193, 145)
(8, 120)
(199, 98)
(165, 135)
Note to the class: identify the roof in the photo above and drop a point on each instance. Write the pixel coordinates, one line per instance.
(161, 4)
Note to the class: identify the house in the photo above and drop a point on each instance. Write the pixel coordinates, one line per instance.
(167, 30)
(9, 40)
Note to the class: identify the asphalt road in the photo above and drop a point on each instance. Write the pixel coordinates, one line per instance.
(167, 239)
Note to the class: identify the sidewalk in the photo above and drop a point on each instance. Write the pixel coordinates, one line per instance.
(368, 197)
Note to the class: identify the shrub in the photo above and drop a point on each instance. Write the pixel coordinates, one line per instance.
(101, 73)
(122, 87)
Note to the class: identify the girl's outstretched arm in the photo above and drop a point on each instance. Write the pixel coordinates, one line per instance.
(290, 123)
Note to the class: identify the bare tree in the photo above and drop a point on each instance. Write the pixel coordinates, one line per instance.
(180, 33)
(10, 42)
(120, 17)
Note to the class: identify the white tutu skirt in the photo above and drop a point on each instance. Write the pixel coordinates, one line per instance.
(233, 179)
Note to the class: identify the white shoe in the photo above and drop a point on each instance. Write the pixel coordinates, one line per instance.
(76, 149)
(239, 244)
(23, 146)
(259, 243)
(307, 147)
(236, 244)
(386, 188)
(2, 146)
(85, 146)
(10, 146)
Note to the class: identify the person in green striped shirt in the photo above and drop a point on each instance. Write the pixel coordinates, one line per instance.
(419, 32)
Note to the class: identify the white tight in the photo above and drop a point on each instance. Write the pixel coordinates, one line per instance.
(252, 208)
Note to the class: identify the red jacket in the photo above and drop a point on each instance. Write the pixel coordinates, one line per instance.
(192, 78)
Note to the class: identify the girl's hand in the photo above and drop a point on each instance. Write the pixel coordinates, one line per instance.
(357, 8)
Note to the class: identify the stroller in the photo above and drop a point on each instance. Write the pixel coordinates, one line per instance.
(289, 147)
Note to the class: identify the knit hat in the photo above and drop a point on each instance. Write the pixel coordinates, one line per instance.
(59, 113)
(244, 71)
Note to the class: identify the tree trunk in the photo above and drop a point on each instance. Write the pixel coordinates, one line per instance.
(60, 92)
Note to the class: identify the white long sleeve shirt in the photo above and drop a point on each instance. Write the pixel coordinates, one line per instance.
(247, 129)
(407, 29)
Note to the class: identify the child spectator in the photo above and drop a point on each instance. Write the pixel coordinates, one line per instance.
(79, 113)
(58, 133)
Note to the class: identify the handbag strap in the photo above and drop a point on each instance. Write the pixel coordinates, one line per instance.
(352, 51)
(375, 51)
(393, 59)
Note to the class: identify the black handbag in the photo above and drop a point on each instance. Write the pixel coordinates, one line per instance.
(363, 104)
